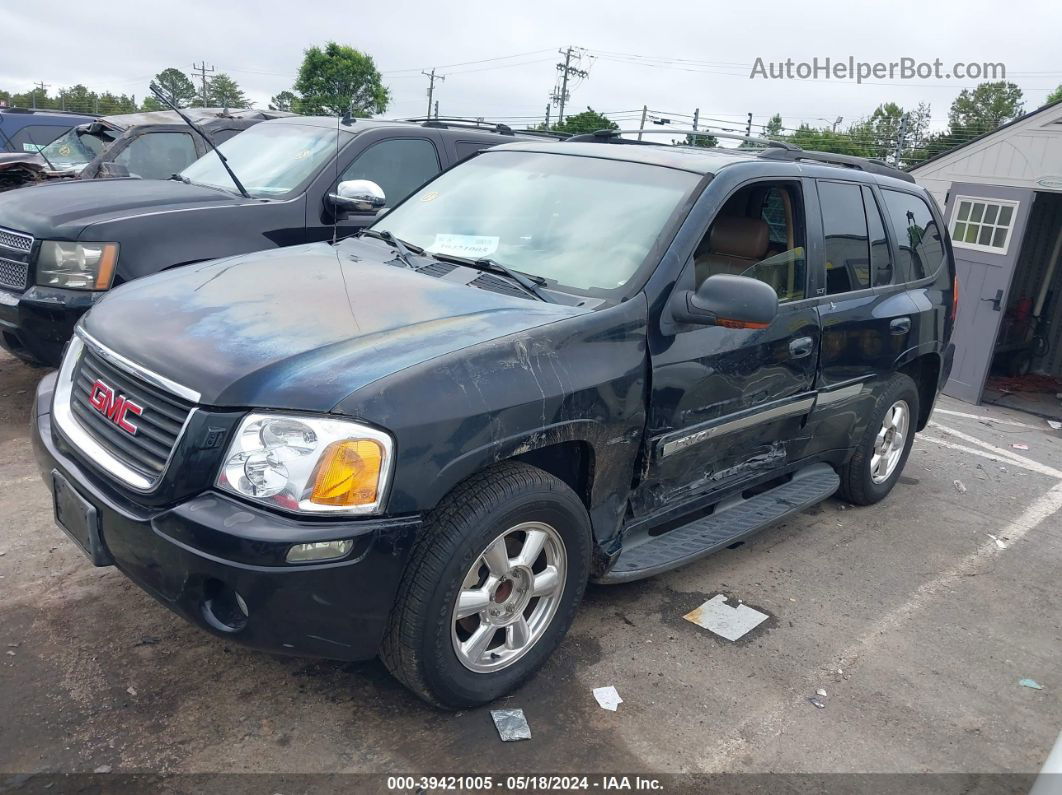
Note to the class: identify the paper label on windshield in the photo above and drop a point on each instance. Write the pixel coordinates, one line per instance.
(472, 246)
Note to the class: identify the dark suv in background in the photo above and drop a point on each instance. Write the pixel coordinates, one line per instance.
(63, 245)
(591, 360)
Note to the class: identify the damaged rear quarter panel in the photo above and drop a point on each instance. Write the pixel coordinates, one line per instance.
(579, 379)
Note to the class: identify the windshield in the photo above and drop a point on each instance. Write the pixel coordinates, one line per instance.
(76, 148)
(581, 222)
(269, 159)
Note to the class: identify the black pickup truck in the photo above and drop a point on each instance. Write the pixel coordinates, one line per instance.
(63, 245)
(554, 364)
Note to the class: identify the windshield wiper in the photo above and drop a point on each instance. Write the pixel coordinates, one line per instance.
(224, 162)
(487, 265)
(403, 249)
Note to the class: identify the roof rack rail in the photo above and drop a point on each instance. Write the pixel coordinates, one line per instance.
(455, 121)
(870, 165)
(614, 137)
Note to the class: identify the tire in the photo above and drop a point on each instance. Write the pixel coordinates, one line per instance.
(424, 646)
(860, 483)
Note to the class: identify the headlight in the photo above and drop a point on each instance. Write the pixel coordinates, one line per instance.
(308, 464)
(76, 266)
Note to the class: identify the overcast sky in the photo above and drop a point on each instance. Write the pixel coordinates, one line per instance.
(671, 56)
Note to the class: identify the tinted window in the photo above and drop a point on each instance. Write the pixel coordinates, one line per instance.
(918, 239)
(220, 136)
(880, 258)
(34, 137)
(844, 226)
(466, 149)
(157, 155)
(399, 166)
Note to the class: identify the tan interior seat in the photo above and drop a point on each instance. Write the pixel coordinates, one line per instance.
(734, 244)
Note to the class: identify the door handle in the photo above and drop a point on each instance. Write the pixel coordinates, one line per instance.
(997, 301)
(801, 347)
(900, 325)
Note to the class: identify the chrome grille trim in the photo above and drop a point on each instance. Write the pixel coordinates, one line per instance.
(95, 452)
(16, 241)
(135, 369)
(13, 275)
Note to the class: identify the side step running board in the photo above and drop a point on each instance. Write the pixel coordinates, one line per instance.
(730, 521)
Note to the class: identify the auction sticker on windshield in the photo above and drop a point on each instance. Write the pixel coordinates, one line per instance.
(474, 246)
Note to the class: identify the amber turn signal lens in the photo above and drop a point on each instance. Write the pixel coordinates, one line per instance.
(348, 473)
(105, 269)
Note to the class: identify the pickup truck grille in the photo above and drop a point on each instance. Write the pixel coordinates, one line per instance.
(13, 275)
(158, 426)
(15, 248)
(16, 241)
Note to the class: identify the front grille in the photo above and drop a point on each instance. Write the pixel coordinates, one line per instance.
(157, 427)
(16, 241)
(13, 275)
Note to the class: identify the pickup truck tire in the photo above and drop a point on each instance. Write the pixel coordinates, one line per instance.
(496, 541)
(879, 458)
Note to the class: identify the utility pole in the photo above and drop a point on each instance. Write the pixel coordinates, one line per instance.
(547, 115)
(560, 97)
(837, 121)
(901, 137)
(202, 69)
(748, 127)
(645, 111)
(436, 108)
(44, 90)
(432, 77)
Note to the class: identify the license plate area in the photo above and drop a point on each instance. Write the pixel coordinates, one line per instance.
(79, 519)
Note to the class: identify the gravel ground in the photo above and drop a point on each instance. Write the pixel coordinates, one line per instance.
(911, 618)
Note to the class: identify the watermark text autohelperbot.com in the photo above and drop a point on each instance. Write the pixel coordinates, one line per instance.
(851, 69)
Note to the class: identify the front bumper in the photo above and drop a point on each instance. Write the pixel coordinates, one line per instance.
(36, 324)
(196, 555)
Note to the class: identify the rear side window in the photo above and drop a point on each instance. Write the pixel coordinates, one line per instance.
(880, 258)
(399, 166)
(158, 155)
(465, 149)
(844, 227)
(33, 137)
(918, 238)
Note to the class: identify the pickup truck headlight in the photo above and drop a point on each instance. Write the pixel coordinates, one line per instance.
(308, 464)
(76, 266)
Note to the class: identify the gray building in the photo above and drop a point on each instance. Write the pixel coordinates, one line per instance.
(1002, 200)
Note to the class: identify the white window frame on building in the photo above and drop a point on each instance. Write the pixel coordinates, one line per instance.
(993, 208)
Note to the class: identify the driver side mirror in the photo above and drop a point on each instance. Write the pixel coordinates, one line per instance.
(729, 301)
(357, 196)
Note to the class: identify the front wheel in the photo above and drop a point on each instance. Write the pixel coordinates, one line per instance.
(880, 456)
(491, 589)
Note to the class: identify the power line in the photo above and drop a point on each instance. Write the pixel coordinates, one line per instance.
(202, 69)
(560, 95)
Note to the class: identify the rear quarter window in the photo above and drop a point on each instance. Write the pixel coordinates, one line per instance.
(919, 240)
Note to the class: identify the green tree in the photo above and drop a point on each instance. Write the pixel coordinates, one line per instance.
(176, 87)
(1054, 96)
(586, 122)
(700, 140)
(150, 103)
(773, 128)
(224, 92)
(985, 108)
(338, 78)
(285, 100)
(77, 98)
(109, 103)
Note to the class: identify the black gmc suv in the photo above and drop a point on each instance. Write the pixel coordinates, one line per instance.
(554, 364)
(63, 245)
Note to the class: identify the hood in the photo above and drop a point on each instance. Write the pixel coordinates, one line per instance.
(64, 210)
(302, 327)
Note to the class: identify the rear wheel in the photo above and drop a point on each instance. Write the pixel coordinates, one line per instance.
(491, 589)
(879, 458)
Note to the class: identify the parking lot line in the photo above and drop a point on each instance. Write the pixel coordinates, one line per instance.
(986, 418)
(1000, 452)
(1023, 464)
(1041, 509)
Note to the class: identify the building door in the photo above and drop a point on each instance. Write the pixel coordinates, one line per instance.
(987, 224)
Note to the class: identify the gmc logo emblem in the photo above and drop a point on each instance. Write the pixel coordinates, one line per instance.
(114, 407)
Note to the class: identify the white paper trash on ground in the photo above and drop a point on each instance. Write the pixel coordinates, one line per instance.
(607, 697)
(511, 724)
(728, 622)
